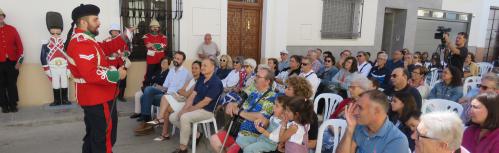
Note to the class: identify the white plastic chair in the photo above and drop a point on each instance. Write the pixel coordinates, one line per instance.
(206, 128)
(484, 67)
(434, 76)
(339, 128)
(331, 102)
(470, 82)
(433, 105)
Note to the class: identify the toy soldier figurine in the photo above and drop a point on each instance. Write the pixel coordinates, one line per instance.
(95, 80)
(53, 60)
(156, 43)
(117, 52)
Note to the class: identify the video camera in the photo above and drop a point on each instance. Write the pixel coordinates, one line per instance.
(441, 31)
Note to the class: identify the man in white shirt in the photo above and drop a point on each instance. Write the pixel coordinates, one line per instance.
(309, 74)
(175, 80)
(364, 66)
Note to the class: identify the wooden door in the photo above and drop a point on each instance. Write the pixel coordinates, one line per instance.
(244, 28)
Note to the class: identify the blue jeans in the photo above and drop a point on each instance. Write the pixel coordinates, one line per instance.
(147, 99)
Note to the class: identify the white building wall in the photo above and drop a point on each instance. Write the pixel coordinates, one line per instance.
(304, 25)
(274, 28)
(28, 16)
(480, 11)
(201, 17)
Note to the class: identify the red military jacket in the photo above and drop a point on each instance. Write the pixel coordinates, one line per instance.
(11, 46)
(116, 44)
(155, 53)
(95, 78)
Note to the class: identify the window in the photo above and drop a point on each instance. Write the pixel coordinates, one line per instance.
(139, 13)
(341, 19)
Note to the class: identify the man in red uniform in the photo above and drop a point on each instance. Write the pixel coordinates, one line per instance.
(11, 58)
(117, 52)
(95, 80)
(156, 44)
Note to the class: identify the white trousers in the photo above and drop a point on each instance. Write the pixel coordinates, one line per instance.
(59, 77)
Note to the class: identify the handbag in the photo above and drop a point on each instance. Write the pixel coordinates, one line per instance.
(238, 120)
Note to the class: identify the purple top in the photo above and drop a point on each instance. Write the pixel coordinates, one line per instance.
(488, 144)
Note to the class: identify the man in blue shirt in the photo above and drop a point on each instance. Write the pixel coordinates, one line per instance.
(284, 63)
(369, 130)
(200, 104)
(396, 61)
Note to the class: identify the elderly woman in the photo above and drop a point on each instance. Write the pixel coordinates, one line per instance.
(451, 86)
(439, 132)
(273, 65)
(232, 78)
(358, 85)
(417, 80)
(380, 71)
(225, 66)
(483, 133)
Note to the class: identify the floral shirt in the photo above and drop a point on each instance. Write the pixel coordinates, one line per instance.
(265, 106)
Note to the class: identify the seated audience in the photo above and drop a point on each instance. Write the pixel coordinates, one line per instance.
(230, 82)
(418, 80)
(200, 104)
(327, 72)
(272, 63)
(344, 76)
(450, 87)
(294, 69)
(400, 84)
(259, 104)
(363, 67)
(402, 105)
(470, 68)
(343, 55)
(369, 129)
(295, 125)
(439, 132)
(380, 71)
(176, 78)
(174, 102)
(489, 83)
(156, 80)
(225, 66)
(309, 74)
(396, 61)
(358, 85)
(482, 135)
(284, 63)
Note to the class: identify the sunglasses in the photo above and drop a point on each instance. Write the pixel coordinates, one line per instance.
(304, 64)
(235, 62)
(394, 75)
(222, 60)
(328, 61)
(359, 55)
(55, 34)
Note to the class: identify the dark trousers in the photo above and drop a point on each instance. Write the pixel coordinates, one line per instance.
(151, 69)
(101, 127)
(8, 84)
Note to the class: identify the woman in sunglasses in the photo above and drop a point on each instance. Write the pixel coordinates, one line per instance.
(450, 87)
(482, 134)
(225, 66)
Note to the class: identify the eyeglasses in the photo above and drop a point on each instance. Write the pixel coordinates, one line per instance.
(483, 87)
(418, 135)
(235, 62)
(414, 72)
(304, 64)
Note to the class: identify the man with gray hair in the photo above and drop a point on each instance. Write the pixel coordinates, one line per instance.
(439, 132)
(208, 49)
(369, 129)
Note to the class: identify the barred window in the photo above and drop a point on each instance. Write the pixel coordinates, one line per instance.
(341, 19)
(139, 13)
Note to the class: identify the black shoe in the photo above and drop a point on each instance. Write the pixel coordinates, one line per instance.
(54, 104)
(64, 97)
(14, 109)
(135, 115)
(5, 110)
(140, 119)
(57, 98)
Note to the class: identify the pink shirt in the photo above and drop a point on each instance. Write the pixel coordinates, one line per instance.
(488, 144)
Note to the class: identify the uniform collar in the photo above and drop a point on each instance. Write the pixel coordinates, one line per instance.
(78, 30)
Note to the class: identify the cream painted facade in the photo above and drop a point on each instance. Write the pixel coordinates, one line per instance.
(291, 24)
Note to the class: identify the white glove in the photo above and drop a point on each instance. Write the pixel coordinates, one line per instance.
(150, 53)
(47, 72)
(128, 63)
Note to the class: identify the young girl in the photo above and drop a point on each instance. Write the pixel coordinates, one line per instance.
(298, 111)
(269, 137)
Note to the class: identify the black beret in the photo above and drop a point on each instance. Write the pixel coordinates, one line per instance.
(54, 20)
(84, 10)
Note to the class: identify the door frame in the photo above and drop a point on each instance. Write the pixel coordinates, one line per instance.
(251, 6)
